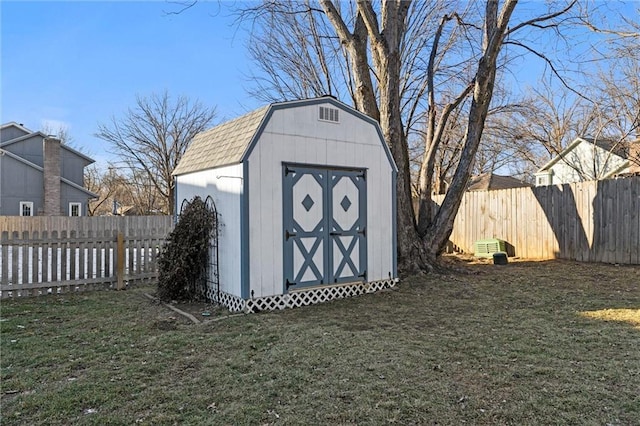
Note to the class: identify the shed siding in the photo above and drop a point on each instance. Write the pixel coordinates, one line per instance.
(297, 136)
(224, 185)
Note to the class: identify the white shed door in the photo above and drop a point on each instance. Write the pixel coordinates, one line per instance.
(325, 226)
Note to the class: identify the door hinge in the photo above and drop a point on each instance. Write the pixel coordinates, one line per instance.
(288, 234)
(363, 275)
(287, 170)
(288, 283)
(363, 231)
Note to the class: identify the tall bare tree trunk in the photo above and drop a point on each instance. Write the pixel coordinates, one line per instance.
(440, 229)
(384, 45)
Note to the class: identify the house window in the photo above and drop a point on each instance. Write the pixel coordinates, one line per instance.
(75, 209)
(26, 208)
(544, 178)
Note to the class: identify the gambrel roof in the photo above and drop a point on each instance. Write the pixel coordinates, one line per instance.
(231, 142)
(222, 145)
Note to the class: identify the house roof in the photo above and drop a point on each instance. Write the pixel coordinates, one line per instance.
(222, 145)
(231, 142)
(88, 159)
(14, 124)
(490, 181)
(615, 147)
(40, 169)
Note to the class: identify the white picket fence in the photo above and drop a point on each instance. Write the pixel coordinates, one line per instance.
(43, 255)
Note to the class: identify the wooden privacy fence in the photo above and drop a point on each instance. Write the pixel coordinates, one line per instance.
(40, 255)
(595, 221)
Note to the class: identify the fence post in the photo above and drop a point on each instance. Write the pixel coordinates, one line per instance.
(120, 261)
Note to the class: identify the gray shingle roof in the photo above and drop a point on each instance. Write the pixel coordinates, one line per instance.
(222, 145)
(613, 146)
(489, 181)
(230, 142)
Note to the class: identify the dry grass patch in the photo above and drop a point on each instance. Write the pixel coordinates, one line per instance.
(631, 316)
(505, 345)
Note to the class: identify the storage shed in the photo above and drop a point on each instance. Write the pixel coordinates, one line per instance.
(305, 195)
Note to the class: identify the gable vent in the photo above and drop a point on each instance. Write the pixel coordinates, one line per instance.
(329, 114)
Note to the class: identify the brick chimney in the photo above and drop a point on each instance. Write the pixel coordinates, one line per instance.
(51, 152)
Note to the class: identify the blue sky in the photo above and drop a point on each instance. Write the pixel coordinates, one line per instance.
(75, 64)
(79, 63)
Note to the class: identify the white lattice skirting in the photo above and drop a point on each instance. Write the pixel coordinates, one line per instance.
(300, 298)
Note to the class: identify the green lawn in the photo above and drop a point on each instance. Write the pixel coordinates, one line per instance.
(527, 343)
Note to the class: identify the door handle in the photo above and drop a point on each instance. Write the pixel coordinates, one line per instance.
(289, 234)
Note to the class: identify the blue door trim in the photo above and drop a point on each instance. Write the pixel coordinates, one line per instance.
(394, 221)
(244, 233)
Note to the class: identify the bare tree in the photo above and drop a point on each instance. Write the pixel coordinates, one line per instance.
(615, 87)
(496, 150)
(616, 90)
(413, 66)
(151, 138)
(144, 195)
(113, 188)
(606, 109)
(60, 131)
(98, 183)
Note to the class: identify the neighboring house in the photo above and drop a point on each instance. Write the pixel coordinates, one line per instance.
(39, 175)
(305, 195)
(490, 182)
(127, 211)
(588, 159)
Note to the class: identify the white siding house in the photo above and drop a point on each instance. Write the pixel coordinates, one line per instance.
(305, 192)
(586, 159)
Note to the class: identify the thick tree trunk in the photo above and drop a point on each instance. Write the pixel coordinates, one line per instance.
(171, 198)
(418, 246)
(365, 96)
(386, 46)
(441, 226)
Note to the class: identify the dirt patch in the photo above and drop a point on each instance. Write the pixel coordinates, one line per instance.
(187, 311)
(202, 311)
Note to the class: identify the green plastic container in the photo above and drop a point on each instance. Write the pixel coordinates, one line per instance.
(486, 248)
